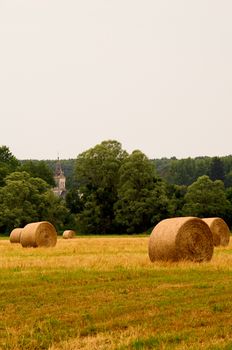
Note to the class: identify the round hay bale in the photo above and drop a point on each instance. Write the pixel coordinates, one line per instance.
(39, 234)
(220, 231)
(69, 234)
(15, 235)
(183, 238)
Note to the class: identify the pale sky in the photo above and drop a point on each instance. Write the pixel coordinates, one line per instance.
(156, 75)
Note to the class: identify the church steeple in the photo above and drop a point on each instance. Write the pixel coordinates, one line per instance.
(58, 171)
(60, 189)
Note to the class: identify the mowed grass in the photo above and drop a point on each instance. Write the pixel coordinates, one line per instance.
(104, 293)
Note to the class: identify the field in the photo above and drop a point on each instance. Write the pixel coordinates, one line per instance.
(104, 293)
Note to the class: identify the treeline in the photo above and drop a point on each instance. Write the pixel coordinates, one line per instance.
(111, 191)
(186, 171)
(172, 170)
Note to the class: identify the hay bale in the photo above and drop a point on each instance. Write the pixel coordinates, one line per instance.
(69, 234)
(220, 231)
(39, 234)
(183, 238)
(15, 235)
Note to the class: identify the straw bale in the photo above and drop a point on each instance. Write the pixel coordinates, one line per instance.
(220, 231)
(39, 234)
(15, 235)
(69, 234)
(182, 238)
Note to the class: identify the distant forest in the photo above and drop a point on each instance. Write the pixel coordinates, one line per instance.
(174, 171)
(186, 171)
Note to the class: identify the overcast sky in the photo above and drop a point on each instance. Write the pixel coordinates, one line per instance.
(156, 75)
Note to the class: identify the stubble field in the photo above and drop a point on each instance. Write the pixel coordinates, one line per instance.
(104, 293)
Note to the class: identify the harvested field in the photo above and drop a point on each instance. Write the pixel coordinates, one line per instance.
(104, 293)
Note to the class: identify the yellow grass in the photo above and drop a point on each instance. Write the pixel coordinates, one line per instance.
(101, 253)
(106, 256)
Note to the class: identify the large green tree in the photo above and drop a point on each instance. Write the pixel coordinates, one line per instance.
(7, 157)
(74, 200)
(176, 195)
(38, 169)
(97, 179)
(26, 199)
(8, 163)
(206, 198)
(142, 196)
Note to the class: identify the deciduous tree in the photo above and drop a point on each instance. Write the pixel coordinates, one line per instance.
(97, 178)
(142, 195)
(38, 169)
(26, 199)
(206, 198)
(8, 163)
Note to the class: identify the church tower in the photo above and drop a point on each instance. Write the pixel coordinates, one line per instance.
(60, 189)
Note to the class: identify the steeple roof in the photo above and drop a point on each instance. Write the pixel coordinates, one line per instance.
(58, 170)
